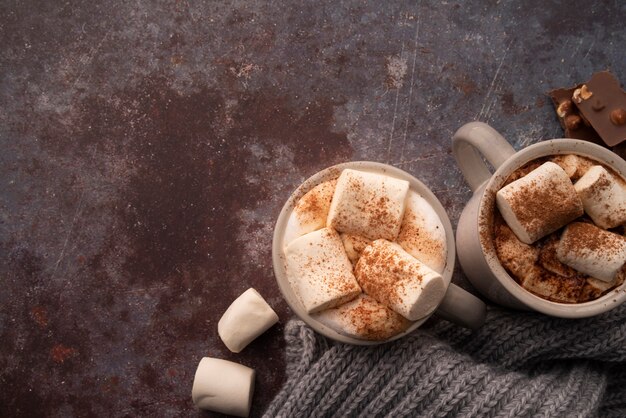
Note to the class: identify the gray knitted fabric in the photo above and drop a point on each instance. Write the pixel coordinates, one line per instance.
(517, 365)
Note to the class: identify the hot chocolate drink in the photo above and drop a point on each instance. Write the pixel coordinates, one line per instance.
(558, 228)
(364, 255)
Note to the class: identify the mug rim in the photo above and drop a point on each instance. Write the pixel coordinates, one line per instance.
(558, 146)
(278, 256)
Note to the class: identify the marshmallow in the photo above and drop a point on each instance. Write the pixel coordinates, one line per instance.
(595, 288)
(551, 286)
(399, 281)
(367, 204)
(310, 212)
(515, 256)
(319, 270)
(603, 197)
(592, 251)
(422, 234)
(364, 318)
(245, 319)
(539, 203)
(354, 246)
(223, 386)
(574, 165)
(550, 261)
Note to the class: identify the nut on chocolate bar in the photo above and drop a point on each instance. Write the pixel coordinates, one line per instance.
(573, 122)
(565, 108)
(581, 94)
(618, 117)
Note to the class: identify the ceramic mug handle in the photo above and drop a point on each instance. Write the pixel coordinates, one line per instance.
(473, 141)
(462, 308)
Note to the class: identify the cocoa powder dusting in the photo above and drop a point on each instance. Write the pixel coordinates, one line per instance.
(373, 321)
(380, 213)
(414, 237)
(515, 256)
(548, 258)
(372, 213)
(599, 187)
(380, 272)
(545, 208)
(313, 206)
(373, 275)
(582, 237)
(555, 288)
(359, 243)
(331, 274)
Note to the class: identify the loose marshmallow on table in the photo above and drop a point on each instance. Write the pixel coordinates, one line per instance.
(422, 234)
(539, 203)
(398, 280)
(603, 197)
(592, 250)
(364, 318)
(368, 204)
(319, 270)
(311, 211)
(223, 386)
(245, 319)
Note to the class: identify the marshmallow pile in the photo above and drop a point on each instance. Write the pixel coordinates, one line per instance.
(562, 235)
(365, 254)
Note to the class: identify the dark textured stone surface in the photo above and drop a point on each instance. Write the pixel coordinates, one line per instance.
(147, 148)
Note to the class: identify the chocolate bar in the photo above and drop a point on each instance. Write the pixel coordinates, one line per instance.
(569, 116)
(602, 102)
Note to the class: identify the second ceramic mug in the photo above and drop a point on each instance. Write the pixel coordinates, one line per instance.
(471, 145)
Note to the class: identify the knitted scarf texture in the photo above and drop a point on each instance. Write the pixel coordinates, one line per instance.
(518, 364)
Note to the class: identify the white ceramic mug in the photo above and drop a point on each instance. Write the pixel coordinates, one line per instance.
(476, 142)
(457, 305)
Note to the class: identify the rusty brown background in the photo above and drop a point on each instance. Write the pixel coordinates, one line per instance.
(148, 146)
